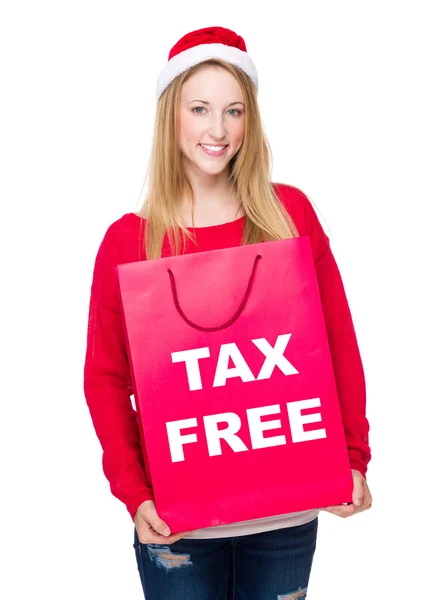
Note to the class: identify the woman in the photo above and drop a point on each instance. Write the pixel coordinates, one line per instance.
(209, 188)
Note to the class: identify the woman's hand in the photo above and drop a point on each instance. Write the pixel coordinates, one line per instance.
(362, 498)
(151, 529)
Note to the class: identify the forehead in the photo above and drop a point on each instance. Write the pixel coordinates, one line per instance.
(212, 83)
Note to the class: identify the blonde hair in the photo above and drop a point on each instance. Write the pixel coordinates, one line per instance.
(249, 172)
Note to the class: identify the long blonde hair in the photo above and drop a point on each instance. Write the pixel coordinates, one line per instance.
(249, 172)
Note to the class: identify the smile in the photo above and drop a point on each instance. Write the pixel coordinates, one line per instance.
(213, 150)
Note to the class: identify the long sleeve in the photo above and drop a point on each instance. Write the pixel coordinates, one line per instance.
(347, 364)
(108, 384)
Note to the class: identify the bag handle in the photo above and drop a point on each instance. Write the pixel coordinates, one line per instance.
(230, 321)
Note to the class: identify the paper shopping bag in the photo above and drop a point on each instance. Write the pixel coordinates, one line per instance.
(234, 385)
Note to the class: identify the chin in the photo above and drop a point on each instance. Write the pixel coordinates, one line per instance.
(214, 171)
(211, 169)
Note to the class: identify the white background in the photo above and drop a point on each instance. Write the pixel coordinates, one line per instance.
(354, 101)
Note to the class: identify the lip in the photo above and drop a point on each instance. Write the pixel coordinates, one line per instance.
(216, 154)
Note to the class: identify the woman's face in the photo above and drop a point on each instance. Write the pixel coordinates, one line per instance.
(211, 113)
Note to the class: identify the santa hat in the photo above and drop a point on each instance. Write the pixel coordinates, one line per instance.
(200, 45)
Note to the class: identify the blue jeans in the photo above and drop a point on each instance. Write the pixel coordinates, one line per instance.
(273, 565)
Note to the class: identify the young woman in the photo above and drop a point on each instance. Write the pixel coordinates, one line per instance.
(209, 188)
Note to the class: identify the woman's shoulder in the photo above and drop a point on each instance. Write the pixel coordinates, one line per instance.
(302, 211)
(120, 240)
(289, 192)
(122, 229)
(296, 203)
(127, 223)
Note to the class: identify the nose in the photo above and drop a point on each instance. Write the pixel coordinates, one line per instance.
(217, 129)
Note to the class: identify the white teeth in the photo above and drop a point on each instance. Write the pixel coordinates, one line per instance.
(215, 148)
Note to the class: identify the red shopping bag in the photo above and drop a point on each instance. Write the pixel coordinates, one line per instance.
(234, 385)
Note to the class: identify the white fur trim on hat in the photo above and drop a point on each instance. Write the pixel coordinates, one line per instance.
(197, 54)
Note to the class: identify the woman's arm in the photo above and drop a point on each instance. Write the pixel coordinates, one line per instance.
(108, 385)
(347, 364)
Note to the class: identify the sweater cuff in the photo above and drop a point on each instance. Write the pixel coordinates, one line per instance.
(133, 505)
(359, 466)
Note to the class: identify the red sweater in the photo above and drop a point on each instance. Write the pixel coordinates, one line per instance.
(107, 379)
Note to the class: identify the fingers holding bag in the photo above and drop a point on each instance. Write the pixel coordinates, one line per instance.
(151, 529)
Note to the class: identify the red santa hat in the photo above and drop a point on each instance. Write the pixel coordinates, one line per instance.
(200, 45)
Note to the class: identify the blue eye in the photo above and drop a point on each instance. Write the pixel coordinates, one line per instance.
(201, 108)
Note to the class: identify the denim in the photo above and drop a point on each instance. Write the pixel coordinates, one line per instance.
(272, 565)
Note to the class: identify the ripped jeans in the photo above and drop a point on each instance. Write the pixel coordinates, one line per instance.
(272, 565)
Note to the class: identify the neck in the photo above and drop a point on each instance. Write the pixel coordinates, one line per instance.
(214, 201)
(210, 188)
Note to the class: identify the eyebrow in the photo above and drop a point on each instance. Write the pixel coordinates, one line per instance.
(204, 102)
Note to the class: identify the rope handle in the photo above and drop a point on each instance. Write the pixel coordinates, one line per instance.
(230, 321)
